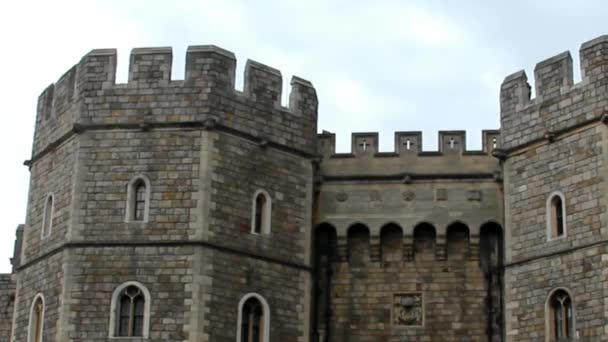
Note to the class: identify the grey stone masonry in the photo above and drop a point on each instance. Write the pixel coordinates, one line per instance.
(204, 150)
(557, 143)
(230, 212)
(7, 301)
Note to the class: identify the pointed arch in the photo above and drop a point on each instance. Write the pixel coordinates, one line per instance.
(425, 237)
(138, 199)
(261, 212)
(560, 315)
(35, 330)
(457, 236)
(391, 242)
(253, 319)
(130, 311)
(358, 244)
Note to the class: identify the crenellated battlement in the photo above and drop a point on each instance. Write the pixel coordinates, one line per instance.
(206, 66)
(408, 158)
(559, 103)
(407, 144)
(89, 95)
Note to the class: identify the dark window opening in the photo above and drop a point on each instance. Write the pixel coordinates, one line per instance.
(252, 321)
(131, 312)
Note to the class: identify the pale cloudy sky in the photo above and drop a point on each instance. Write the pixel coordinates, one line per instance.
(377, 65)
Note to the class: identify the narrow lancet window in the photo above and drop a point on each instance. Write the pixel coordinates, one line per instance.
(260, 202)
(260, 220)
(36, 323)
(254, 319)
(47, 220)
(253, 316)
(556, 216)
(559, 217)
(138, 199)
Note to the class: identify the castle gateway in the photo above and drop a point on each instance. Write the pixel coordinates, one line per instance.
(163, 210)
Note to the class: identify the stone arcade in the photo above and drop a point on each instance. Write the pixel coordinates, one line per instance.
(165, 210)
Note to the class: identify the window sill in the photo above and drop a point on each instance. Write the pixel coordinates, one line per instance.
(558, 238)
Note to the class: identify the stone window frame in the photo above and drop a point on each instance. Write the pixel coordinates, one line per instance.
(267, 316)
(266, 213)
(114, 305)
(423, 298)
(30, 338)
(132, 197)
(550, 218)
(549, 315)
(44, 232)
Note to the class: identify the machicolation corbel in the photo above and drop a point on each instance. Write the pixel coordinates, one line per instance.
(77, 128)
(499, 154)
(263, 143)
(144, 127)
(210, 123)
(498, 177)
(604, 118)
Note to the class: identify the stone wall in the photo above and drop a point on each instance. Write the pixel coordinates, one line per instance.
(170, 159)
(408, 225)
(53, 174)
(366, 308)
(167, 272)
(284, 287)
(557, 141)
(45, 277)
(240, 168)
(7, 300)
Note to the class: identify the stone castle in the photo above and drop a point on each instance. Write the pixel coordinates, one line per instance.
(164, 210)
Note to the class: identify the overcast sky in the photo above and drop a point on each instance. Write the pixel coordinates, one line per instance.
(377, 65)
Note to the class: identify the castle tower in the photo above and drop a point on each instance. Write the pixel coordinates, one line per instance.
(555, 151)
(168, 210)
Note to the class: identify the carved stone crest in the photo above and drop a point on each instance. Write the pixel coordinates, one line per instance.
(441, 194)
(408, 196)
(474, 195)
(408, 309)
(341, 196)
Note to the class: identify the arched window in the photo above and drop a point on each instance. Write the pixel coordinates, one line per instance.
(424, 242)
(391, 242)
(560, 316)
(358, 244)
(261, 212)
(457, 241)
(556, 216)
(138, 199)
(254, 319)
(36, 323)
(47, 218)
(130, 315)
